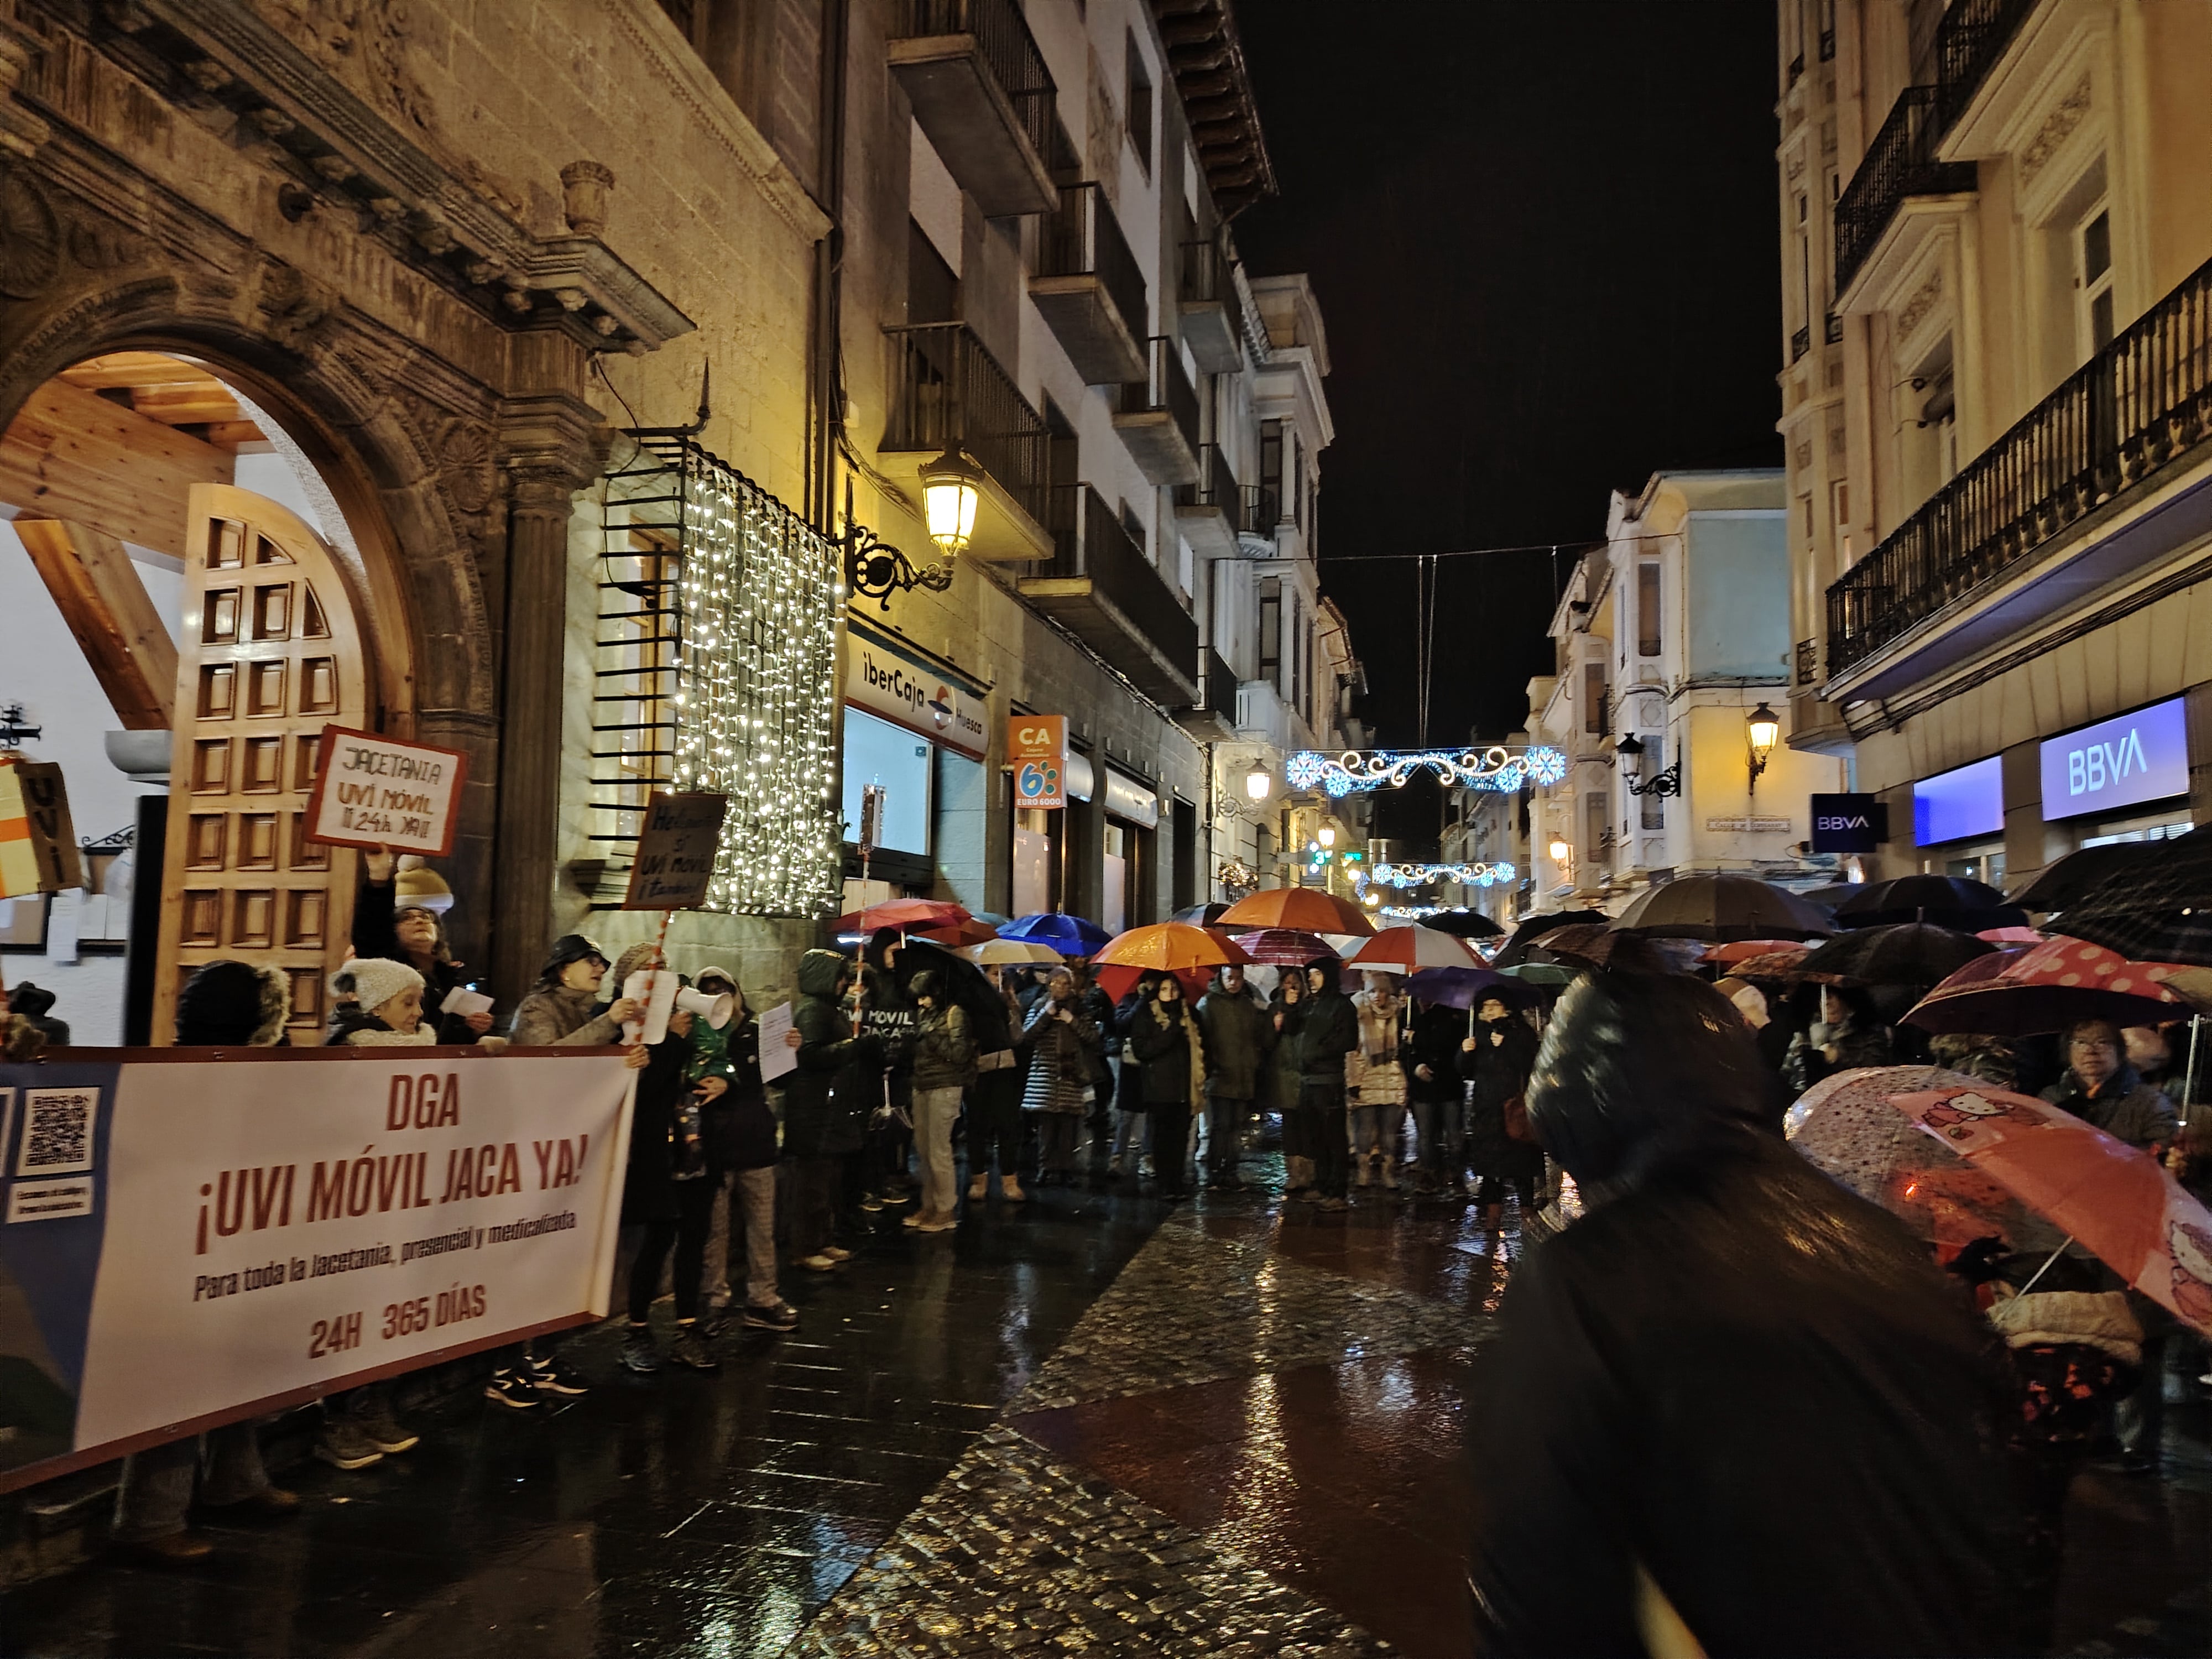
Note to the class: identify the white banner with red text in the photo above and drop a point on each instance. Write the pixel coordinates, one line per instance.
(189, 1240)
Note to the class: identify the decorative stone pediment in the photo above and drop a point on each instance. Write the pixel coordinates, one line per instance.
(320, 90)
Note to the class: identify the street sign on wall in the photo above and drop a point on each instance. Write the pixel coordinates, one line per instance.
(1849, 824)
(1036, 748)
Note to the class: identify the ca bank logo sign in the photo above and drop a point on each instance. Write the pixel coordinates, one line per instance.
(2138, 757)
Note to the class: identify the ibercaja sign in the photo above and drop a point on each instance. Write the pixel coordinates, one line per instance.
(1849, 824)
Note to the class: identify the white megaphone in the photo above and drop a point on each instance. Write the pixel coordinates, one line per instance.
(655, 990)
(716, 1011)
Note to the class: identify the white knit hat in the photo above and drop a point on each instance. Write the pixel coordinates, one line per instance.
(372, 982)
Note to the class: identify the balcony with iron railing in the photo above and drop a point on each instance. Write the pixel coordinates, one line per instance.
(1210, 512)
(1212, 718)
(1800, 344)
(1208, 304)
(947, 390)
(1901, 162)
(1100, 586)
(1088, 287)
(1158, 417)
(1261, 512)
(1970, 39)
(981, 91)
(2129, 420)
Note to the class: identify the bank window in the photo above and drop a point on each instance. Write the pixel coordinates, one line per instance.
(2094, 276)
(878, 752)
(1647, 608)
(1113, 906)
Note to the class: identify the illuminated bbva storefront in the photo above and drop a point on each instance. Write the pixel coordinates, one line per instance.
(2122, 779)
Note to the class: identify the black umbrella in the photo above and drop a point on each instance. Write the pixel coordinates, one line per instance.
(1906, 953)
(2154, 878)
(1943, 900)
(2066, 881)
(1464, 924)
(1533, 928)
(1718, 908)
(1199, 916)
(964, 984)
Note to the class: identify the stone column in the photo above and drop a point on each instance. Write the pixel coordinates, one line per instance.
(551, 454)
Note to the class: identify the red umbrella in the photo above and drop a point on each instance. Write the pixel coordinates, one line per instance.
(968, 931)
(1409, 950)
(2047, 988)
(1282, 946)
(912, 915)
(1743, 950)
(2116, 1202)
(1306, 907)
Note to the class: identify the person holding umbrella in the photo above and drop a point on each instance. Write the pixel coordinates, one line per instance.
(1062, 1044)
(1495, 1057)
(1164, 1038)
(1285, 1010)
(1239, 1038)
(1438, 1093)
(1324, 1028)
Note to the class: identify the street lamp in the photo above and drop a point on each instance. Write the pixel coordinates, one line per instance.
(1328, 836)
(1763, 730)
(949, 492)
(1631, 749)
(1258, 781)
(1560, 851)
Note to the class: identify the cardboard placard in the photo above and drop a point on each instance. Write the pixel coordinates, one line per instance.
(676, 849)
(38, 843)
(375, 791)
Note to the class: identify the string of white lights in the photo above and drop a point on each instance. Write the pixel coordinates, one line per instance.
(755, 691)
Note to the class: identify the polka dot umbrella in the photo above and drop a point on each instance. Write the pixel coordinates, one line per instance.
(2046, 988)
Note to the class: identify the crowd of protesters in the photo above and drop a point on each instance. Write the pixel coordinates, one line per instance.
(906, 1062)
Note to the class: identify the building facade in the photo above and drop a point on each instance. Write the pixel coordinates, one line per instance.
(1674, 634)
(1996, 220)
(560, 357)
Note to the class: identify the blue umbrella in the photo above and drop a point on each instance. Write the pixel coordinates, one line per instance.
(1072, 936)
(1463, 988)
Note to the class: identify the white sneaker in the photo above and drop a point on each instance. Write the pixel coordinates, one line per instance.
(818, 1264)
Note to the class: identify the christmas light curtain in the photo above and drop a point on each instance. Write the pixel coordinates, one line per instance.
(756, 694)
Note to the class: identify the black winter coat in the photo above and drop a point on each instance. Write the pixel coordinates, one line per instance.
(1498, 1072)
(649, 1182)
(1318, 1032)
(1433, 1041)
(839, 1082)
(1161, 1050)
(374, 935)
(1688, 1373)
(739, 1128)
(1239, 1035)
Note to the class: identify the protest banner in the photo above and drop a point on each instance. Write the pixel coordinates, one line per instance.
(373, 791)
(675, 848)
(192, 1239)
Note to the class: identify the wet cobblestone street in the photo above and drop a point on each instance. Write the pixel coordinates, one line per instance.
(1096, 1426)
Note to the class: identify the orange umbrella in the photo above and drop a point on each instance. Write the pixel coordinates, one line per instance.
(1169, 946)
(2117, 1201)
(1309, 909)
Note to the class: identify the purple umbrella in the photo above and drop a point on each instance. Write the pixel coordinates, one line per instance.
(1464, 987)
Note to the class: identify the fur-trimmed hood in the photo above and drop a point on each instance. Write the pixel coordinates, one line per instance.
(233, 1004)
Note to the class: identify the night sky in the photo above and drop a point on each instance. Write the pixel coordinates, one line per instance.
(1543, 240)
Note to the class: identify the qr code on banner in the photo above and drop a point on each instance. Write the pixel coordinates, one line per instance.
(56, 1130)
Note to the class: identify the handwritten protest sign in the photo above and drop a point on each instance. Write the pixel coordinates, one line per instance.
(676, 849)
(373, 791)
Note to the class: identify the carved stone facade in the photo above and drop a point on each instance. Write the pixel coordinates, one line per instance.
(273, 188)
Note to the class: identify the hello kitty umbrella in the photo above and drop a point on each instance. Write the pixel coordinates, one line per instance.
(2116, 1202)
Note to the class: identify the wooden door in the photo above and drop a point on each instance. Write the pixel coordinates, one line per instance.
(270, 653)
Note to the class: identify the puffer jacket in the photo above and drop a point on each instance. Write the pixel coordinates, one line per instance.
(739, 1127)
(1061, 1054)
(827, 1101)
(1319, 1032)
(1726, 1342)
(1280, 1081)
(555, 1017)
(1239, 1037)
(944, 1052)
(1374, 1072)
(1433, 1041)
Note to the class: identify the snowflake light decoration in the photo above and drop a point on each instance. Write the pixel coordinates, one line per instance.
(1417, 875)
(1498, 768)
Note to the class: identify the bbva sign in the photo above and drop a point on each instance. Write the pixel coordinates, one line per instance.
(2122, 762)
(1849, 824)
